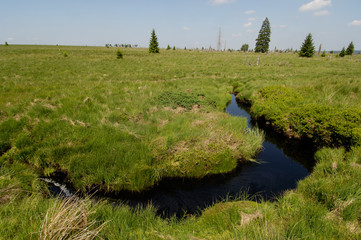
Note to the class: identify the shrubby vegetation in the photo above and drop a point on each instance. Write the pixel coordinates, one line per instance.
(343, 52)
(289, 113)
(245, 48)
(350, 49)
(119, 54)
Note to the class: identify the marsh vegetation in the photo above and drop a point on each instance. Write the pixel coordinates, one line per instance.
(124, 125)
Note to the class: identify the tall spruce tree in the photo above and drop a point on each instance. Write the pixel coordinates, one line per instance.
(307, 49)
(264, 37)
(153, 45)
(350, 49)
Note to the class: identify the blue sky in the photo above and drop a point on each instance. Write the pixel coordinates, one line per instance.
(190, 23)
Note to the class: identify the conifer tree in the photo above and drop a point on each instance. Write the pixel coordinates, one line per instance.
(350, 49)
(343, 52)
(307, 49)
(168, 47)
(264, 37)
(153, 45)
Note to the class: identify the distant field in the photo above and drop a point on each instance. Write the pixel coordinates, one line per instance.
(117, 124)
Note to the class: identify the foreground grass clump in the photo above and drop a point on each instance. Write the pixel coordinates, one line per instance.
(69, 219)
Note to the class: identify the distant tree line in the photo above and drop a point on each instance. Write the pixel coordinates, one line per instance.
(108, 45)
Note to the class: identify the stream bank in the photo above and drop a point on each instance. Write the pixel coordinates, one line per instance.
(280, 165)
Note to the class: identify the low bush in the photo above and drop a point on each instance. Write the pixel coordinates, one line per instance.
(325, 125)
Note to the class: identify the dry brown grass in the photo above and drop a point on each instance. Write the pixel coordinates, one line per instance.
(69, 219)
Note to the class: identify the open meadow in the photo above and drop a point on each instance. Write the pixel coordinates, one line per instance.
(108, 124)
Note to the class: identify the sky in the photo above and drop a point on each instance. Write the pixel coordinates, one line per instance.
(180, 23)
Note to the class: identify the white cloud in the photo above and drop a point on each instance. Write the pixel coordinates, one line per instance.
(220, 2)
(10, 38)
(186, 29)
(236, 34)
(322, 13)
(355, 23)
(249, 12)
(252, 19)
(283, 26)
(315, 5)
(247, 24)
(250, 31)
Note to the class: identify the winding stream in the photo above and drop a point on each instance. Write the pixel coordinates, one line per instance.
(280, 166)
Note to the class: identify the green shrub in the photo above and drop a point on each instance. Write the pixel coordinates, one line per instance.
(65, 54)
(325, 125)
(119, 54)
(343, 52)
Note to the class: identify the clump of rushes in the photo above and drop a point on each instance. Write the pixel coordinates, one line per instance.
(119, 54)
(65, 54)
(69, 218)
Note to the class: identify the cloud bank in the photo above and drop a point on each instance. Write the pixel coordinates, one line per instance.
(355, 23)
(315, 5)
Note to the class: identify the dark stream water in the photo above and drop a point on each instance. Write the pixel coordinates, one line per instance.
(281, 164)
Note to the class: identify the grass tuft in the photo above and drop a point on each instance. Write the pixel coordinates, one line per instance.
(69, 219)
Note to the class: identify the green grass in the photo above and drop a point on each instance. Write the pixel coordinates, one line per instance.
(128, 123)
(118, 124)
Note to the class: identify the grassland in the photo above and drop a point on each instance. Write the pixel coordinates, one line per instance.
(118, 124)
(126, 123)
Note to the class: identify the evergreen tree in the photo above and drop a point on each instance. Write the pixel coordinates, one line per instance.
(153, 45)
(343, 52)
(6, 44)
(307, 49)
(173, 47)
(264, 37)
(168, 47)
(350, 49)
